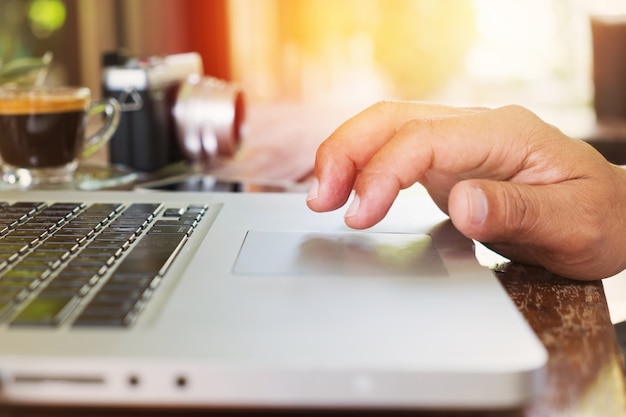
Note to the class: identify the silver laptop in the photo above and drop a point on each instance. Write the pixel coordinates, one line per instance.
(250, 300)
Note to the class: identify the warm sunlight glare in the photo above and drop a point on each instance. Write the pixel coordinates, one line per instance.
(350, 49)
(469, 51)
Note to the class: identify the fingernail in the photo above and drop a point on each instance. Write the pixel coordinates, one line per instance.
(354, 206)
(477, 206)
(313, 190)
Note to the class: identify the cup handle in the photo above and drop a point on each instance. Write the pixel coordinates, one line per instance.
(110, 108)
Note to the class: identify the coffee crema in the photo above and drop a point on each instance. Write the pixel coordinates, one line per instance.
(41, 104)
(41, 132)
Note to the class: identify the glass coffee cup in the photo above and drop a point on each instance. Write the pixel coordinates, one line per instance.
(43, 133)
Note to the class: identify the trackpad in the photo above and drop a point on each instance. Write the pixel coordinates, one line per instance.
(338, 253)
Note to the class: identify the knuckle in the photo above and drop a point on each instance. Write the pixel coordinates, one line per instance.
(323, 152)
(384, 104)
(522, 116)
(517, 109)
(530, 127)
(382, 107)
(424, 127)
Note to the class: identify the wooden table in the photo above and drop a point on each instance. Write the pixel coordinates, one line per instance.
(585, 367)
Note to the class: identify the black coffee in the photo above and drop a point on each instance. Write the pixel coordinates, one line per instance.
(41, 133)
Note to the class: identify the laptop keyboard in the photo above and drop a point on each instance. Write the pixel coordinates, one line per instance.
(86, 265)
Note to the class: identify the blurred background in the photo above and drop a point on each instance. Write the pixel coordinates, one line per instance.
(353, 52)
(305, 65)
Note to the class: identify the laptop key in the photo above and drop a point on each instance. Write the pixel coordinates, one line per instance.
(113, 307)
(152, 254)
(106, 317)
(6, 304)
(11, 292)
(46, 310)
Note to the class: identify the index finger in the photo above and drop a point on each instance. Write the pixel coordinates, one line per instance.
(341, 157)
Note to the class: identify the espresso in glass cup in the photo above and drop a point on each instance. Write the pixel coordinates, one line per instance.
(43, 133)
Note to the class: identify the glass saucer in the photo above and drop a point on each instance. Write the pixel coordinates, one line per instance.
(86, 178)
(98, 177)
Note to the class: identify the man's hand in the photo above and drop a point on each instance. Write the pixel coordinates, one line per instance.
(505, 178)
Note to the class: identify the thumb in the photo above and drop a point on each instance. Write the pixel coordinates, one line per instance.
(499, 211)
